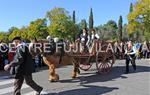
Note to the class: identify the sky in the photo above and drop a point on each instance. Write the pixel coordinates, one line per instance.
(21, 12)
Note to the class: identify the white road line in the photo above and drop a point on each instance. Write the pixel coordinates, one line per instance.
(33, 92)
(6, 82)
(30, 93)
(10, 89)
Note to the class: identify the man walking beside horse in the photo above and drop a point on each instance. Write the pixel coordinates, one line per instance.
(23, 68)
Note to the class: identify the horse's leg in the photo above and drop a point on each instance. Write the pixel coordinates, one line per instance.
(52, 74)
(76, 69)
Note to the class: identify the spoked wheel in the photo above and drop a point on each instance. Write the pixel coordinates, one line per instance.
(86, 64)
(104, 66)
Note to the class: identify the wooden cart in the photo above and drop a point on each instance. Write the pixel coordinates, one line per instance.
(104, 60)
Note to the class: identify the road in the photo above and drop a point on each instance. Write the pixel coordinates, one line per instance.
(89, 82)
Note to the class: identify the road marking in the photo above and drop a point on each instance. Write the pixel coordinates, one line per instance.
(33, 92)
(30, 93)
(6, 81)
(9, 89)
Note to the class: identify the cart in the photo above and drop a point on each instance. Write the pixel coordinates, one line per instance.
(104, 59)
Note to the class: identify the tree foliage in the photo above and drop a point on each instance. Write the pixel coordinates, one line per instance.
(61, 25)
(108, 31)
(74, 17)
(14, 32)
(131, 7)
(91, 21)
(120, 28)
(38, 29)
(83, 24)
(139, 18)
(125, 35)
(4, 36)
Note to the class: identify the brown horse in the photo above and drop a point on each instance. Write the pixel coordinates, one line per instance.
(53, 60)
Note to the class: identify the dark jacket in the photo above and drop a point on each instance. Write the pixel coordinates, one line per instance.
(23, 61)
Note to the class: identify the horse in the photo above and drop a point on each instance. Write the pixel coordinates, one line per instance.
(54, 58)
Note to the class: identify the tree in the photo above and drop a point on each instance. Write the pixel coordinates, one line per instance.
(112, 28)
(24, 32)
(131, 7)
(73, 17)
(38, 29)
(125, 35)
(14, 32)
(120, 28)
(91, 22)
(12, 29)
(61, 24)
(108, 31)
(131, 35)
(4, 37)
(83, 24)
(139, 18)
(102, 31)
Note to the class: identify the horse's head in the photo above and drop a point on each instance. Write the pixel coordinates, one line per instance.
(32, 49)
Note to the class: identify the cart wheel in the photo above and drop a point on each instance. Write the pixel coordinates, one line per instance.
(105, 67)
(85, 65)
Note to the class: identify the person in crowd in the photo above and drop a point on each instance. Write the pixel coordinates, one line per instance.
(116, 44)
(145, 50)
(11, 54)
(37, 61)
(130, 56)
(24, 67)
(122, 45)
(41, 63)
(119, 49)
(3, 55)
(148, 45)
(138, 49)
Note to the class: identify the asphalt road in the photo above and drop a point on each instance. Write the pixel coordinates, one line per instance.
(89, 82)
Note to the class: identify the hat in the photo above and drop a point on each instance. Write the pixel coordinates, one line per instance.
(48, 37)
(16, 38)
(92, 30)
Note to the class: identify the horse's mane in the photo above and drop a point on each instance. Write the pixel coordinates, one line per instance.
(42, 40)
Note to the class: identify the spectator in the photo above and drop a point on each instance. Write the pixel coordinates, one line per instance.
(145, 50)
(138, 49)
(3, 55)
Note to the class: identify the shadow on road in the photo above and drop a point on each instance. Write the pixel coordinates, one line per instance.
(87, 90)
(117, 72)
